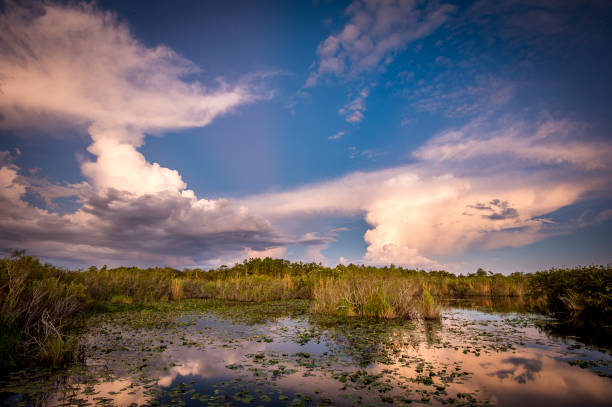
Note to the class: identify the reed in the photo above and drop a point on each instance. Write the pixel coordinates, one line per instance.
(356, 295)
(40, 304)
(429, 309)
(176, 289)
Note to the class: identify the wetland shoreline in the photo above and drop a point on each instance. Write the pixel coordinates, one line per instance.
(272, 332)
(43, 306)
(219, 352)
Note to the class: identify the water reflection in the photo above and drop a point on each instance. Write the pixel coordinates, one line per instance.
(522, 369)
(284, 357)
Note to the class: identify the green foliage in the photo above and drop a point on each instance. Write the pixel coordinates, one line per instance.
(121, 299)
(40, 303)
(176, 288)
(355, 293)
(580, 293)
(429, 309)
(377, 306)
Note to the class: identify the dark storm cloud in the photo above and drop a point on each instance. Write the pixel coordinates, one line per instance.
(480, 206)
(116, 226)
(500, 210)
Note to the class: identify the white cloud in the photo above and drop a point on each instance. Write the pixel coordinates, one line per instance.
(133, 174)
(551, 143)
(455, 198)
(374, 33)
(79, 65)
(11, 189)
(337, 135)
(354, 109)
(485, 94)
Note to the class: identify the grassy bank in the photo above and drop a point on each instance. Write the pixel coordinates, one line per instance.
(42, 305)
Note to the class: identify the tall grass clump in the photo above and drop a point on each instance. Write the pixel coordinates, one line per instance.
(38, 308)
(429, 309)
(261, 288)
(176, 289)
(355, 294)
(141, 285)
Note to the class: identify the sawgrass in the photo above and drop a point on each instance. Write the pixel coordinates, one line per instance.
(41, 305)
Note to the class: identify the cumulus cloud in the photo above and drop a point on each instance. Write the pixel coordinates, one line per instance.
(79, 65)
(374, 33)
(115, 226)
(454, 198)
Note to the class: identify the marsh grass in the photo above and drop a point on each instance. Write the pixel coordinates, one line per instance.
(41, 305)
(38, 306)
(59, 350)
(429, 308)
(121, 299)
(355, 295)
(176, 289)
(260, 288)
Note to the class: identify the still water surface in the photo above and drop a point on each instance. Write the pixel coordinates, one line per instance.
(277, 355)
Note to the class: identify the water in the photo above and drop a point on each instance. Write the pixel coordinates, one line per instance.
(218, 354)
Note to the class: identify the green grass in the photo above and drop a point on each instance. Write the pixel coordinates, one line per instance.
(429, 309)
(357, 294)
(41, 306)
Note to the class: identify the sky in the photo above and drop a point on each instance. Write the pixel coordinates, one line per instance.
(426, 134)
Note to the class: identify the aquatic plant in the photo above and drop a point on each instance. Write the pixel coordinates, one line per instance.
(177, 289)
(429, 309)
(355, 294)
(40, 303)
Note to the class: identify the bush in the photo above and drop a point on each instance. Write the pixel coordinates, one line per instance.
(582, 292)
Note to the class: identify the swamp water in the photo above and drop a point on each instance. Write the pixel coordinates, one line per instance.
(218, 354)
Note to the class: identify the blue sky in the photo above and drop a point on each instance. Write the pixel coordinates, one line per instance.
(450, 135)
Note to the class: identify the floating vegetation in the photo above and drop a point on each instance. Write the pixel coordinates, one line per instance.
(270, 332)
(42, 305)
(210, 352)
